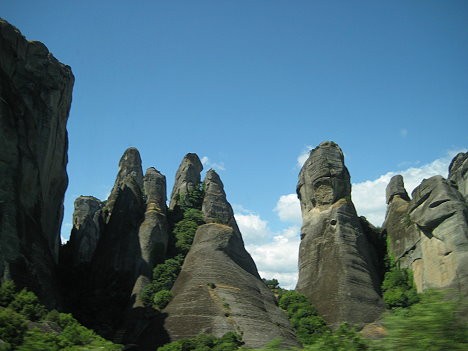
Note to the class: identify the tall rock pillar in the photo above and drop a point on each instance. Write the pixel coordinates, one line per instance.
(35, 100)
(336, 271)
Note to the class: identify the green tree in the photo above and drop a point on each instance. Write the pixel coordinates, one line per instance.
(12, 326)
(302, 316)
(7, 292)
(27, 304)
(398, 288)
(161, 299)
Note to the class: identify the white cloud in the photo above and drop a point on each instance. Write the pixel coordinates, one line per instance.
(303, 156)
(275, 254)
(207, 163)
(288, 209)
(369, 196)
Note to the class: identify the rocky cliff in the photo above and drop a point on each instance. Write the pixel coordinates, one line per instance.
(458, 173)
(35, 99)
(337, 262)
(219, 289)
(429, 233)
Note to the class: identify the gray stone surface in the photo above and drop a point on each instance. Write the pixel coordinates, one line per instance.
(35, 99)
(216, 293)
(440, 213)
(153, 232)
(396, 187)
(215, 207)
(336, 268)
(86, 232)
(429, 235)
(187, 177)
(458, 173)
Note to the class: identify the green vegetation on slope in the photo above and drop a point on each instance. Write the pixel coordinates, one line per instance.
(26, 325)
(185, 219)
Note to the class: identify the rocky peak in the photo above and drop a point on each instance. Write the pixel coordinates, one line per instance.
(396, 186)
(130, 166)
(458, 173)
(215, 207)
(187, 177)
(154, 185)
(324, 179)
(338, 271)
(86, 230)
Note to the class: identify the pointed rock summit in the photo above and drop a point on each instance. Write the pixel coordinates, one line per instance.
(336, 268)
(36, 94)
(396, 187)
(86, 232)
(215, 207)
(187, 178)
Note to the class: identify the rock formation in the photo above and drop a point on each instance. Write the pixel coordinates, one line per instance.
(35, 99)
(86, 232)
(187, 178)
(214, 294)
(114, 247)
(215, 207)
(429, 234)
(336, 260)
(458, 173)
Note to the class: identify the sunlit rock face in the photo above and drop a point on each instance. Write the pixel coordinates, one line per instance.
(187, 178)
(429, 235)
(219, 291)
(35, 100)
(336, 267)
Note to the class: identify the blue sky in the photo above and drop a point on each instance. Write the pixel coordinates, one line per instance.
(250, 85)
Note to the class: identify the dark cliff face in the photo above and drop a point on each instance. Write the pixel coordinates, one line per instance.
(458, 173)
(429, 233)
(35, 99)
(187, 178)
(337, 262)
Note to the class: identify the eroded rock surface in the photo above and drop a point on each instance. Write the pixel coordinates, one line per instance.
(458, 173)
(187, 178)
(35, 99)
(87, 226)
(429, 234)
(216, 293)
(336, 267)
(215, 207)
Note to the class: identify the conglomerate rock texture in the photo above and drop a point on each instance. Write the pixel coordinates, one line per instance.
(35, 99)
(429, 235)
(337, 263)
(217, 292)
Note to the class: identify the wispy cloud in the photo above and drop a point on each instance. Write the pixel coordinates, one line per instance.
(403, 132)
(303, 156)
(207, 163)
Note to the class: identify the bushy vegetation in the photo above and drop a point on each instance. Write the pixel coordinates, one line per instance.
(203, 342)
(26, 325)
(398, 287)
(302, 316)
(185, 219)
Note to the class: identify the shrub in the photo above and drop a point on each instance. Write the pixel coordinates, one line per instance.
(27, 304)
(12, 326)
(398, 288)
(161, 299)
(7, 292)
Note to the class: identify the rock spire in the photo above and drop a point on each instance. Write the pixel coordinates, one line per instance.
(336, 269)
